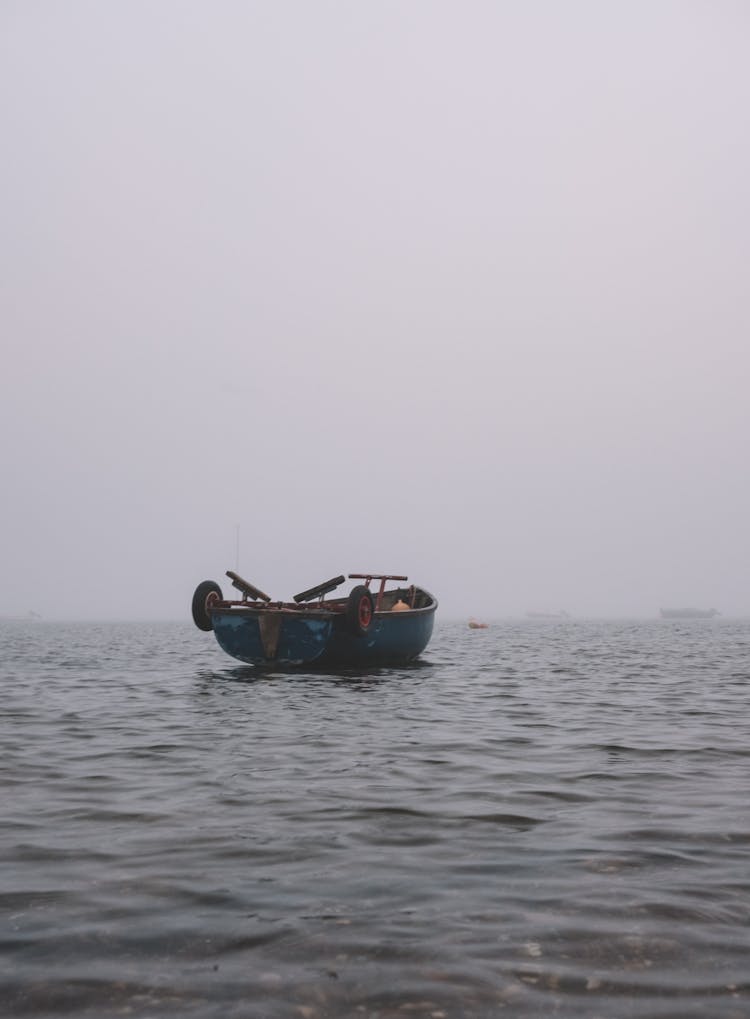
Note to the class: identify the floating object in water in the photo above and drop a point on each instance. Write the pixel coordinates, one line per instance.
(385, 628)
(688, 613)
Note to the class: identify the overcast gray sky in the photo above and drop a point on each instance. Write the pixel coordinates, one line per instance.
(454, 289)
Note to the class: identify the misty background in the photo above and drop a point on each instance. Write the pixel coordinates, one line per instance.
(456, 290)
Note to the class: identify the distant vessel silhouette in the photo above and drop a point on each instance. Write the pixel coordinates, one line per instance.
(688, 613)
(474, 624)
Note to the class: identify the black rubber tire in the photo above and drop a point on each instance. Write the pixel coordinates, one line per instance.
(207, 592)
(360, 609)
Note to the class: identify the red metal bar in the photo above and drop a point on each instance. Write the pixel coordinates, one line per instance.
(382, 577)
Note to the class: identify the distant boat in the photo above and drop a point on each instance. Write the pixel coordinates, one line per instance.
(474, 624)
(688, 613)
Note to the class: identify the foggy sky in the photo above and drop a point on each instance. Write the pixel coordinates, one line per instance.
(457, 290)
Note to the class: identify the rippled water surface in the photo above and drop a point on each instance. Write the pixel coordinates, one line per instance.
(539, 819)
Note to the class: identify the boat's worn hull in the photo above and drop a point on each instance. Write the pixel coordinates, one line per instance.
(256, 636)
(393, 639)
(260, 635)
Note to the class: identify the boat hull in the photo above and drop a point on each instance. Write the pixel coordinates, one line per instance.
(258, 635)
(393, 638)
(688, 613)
(246, 636)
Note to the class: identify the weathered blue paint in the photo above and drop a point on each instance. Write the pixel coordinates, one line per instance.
(301, 640)
(321, 637)
(392, 638)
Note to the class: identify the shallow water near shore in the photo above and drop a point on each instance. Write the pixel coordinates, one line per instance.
(537, 819)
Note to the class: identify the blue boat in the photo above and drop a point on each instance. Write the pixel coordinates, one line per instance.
(382, 627)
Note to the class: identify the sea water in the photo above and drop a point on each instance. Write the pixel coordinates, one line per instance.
(537, 819)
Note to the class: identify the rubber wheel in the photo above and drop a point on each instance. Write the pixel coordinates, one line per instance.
(359, 610)
(206, 593)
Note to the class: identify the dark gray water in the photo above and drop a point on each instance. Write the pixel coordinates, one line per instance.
(538, 820)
